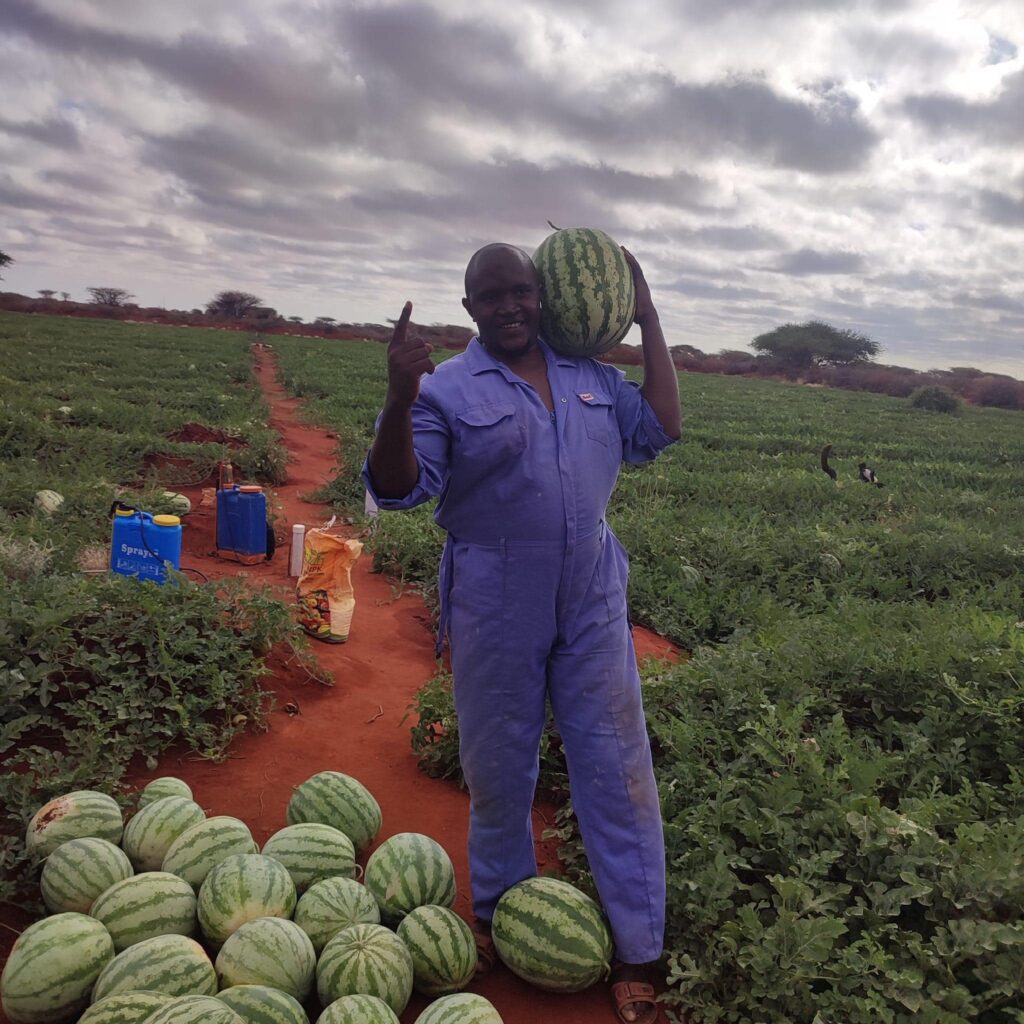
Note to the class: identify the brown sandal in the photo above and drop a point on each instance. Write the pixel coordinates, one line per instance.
(633, 993)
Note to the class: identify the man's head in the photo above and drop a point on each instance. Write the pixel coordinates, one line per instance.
(503, 298)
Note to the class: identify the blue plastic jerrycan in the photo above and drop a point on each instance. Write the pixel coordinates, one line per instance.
(142, 544)
(242, 523)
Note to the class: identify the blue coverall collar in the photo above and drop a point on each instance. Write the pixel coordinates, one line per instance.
(480, 360)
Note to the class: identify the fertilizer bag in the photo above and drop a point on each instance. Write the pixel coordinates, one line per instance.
(324, 591)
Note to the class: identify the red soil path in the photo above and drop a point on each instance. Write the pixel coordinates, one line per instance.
(356, 726)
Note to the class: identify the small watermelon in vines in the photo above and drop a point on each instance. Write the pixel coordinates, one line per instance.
(461, 1008)
(552, 935)
(589, 300)
(409, 870)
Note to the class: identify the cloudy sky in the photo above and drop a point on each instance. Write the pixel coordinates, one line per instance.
(767, 160)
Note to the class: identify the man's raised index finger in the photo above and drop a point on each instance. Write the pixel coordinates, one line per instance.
(402, 325)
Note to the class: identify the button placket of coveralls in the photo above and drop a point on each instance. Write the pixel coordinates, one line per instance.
(567, 475)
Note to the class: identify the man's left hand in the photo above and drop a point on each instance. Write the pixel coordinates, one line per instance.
(644, 302)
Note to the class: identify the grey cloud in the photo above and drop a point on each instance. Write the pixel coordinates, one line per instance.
(18, 198)
(814, 261)
(739, 239)
(996, 121)
(1002, 208)
(80, 181)
(54, 132)
(996, 301)
(702, 289)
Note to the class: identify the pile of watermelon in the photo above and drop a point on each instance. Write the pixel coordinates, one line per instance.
(176, 918)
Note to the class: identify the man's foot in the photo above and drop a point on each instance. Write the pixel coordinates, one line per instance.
(486, 954)
(633, 994)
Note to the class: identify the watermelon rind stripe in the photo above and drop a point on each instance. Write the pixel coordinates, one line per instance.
(358, 1009)
(312, 851)
(144, 906)
(173, 964)
(125, 1008)
(240, 889)
(268, 951)
(199, 849)
(460, 1008)
(78, 871)
(444, 955)
(52, 967)
(195, 1009)
(336, 799)
(366, 959)
(262, 1004)
(327, 907)
(409, 870)
(166, 785)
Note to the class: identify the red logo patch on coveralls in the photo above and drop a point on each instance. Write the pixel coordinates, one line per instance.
(586, 396)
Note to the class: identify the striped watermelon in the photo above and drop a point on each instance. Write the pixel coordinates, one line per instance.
(589, 297)
(335, 903)
(358, 1009)
(268, 951)
(242, 888)
(78, 871)
(443, 949)
(148, 836)
(409, 870)
(311, 851)
(79, 815)
(167, 785)
(124, 1008)
(203, 846)
(194, 1010)
(332, 798)
(461, 1008)
(173, 964)
(52, 967)
(261, 1004)
(144, 906)
(368, 960)
(552, 935)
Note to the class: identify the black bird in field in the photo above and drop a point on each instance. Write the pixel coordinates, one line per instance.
(868, 475)
(825, 453)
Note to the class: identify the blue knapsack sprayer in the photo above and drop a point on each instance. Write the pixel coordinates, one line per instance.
(243, 532)
(142, 544)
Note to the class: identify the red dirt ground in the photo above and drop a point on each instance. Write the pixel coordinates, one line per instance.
(357, 725)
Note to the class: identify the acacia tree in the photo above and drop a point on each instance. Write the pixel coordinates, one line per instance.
(109, 296)
(47, 293)
(232, 303)
(5, 260)
(815, 343)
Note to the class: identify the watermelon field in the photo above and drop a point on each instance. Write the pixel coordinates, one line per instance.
(840, 747)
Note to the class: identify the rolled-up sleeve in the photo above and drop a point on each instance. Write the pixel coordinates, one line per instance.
(643, 436)
(431, 439)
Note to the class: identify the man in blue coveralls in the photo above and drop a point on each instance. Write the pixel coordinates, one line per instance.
(522, 447)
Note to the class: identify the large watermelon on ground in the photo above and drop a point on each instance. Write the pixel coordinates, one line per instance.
(261, 1004)
(552, 935)
(199, 849)
(409, 870)
(365, 959)
(243, 888)
(144, 906)
(443, 949)
(78, 871)
(52, 967)
(327, 907)
(173, 964)
(312, 851)
(124, 1008)
(76, 815)
(148, 836)
(335, 799)
(166, 785)
(461, 1008)
(589, 299)
(268, 951)
(194, 1010)
(358, 1009)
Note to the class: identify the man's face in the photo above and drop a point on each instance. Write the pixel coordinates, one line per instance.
(503, 297)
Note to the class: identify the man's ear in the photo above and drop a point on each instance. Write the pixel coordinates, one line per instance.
(469, 309)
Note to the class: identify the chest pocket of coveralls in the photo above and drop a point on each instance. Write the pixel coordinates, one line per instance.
(599, 418)
(490, 433)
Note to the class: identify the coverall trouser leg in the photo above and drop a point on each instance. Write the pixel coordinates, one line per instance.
(526, 623)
